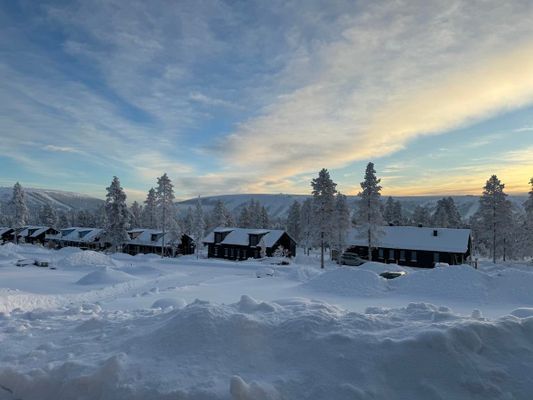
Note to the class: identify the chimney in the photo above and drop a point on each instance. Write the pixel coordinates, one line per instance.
(435, 232)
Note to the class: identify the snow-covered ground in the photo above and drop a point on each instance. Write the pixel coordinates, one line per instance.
(123, 327)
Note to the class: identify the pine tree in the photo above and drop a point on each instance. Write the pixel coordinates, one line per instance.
(19, 209)
(293, 221)
(187, 222)
(264, 220)
(528, 223)
(369, 217)
(306, 224)
(397, 215)
(324, 190)
(48, 216)
(63, 221)
(388, 211)
(165, 205)
(493, 221)
(341, 224)
(454, 218)
(149, 213)
(440, 216)
(220, 216)
(136, 215)
(174, 234)
(198, 225)
(244, 220)
(421, 216)
(117, 215)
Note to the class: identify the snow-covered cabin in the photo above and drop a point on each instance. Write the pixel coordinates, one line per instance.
(415, 246)
(84, 238)
(150, 241)
(34, 234)
(6, 234)
(241, 243)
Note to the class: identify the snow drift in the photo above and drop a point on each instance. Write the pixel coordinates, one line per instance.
(104, 276)
(291, 349)
(87, 258)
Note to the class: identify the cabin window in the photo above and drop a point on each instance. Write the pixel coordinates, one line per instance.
(413, 256)
(238, 255)
(436, 257)
(256, 253)
(244, 253)
(402, 255)
(232, 252)
(254, 240)
(218, 237)
(215, 251)
(226, 252)
(380, 253)
(391, 254)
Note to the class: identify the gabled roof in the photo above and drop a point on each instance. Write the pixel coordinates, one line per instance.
(30, 230)
(144, 237)
(241, 236)
(78, 234)
(4, 230)
(416, 238)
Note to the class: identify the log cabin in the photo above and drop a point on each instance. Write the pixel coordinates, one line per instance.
(150, 241)
(241, 243)
(414, 246)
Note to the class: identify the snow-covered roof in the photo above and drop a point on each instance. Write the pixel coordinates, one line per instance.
(78, 234)
(143, 237)
(32, 230)
(416, 238)
(4, 230)
(241, 236)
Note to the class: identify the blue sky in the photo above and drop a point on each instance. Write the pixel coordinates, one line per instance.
(256, 97)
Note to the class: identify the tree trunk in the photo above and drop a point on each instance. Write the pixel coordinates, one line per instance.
(494, 234)
(369, 245)
(322, 250)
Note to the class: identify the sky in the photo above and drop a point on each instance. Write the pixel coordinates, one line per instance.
(257, 96)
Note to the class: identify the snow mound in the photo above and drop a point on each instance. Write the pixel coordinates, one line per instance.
(460, 282)
(87, 258)
(523, 312)
(347, 281)
(379, 268)
(105, 276)
(169, 302)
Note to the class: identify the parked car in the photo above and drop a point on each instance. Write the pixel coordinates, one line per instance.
(392, 274)
(351, 259)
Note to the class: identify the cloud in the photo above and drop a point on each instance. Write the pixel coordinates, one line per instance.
(61, 149)
(397, 72)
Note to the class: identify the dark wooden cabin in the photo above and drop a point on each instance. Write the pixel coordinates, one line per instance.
(241, 244)
(6, 234)
(415, 246)
(35, 234)
(150, 241)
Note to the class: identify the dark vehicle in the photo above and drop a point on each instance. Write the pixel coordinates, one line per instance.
(351, 259)
(392, 274)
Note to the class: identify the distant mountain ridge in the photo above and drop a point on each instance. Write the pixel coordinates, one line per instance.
(59, 199)
(278, 204)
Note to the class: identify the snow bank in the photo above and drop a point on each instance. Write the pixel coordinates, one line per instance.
(290, 349)
(87, 258)
(460, 282)
(347, 281)
(105, 276)
(169, 302)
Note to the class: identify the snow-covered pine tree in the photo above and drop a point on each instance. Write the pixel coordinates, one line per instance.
(19, 209)
(198, 225)
(187, 221)
(264, 220)
(341, 224)
(48, 216)
(397, 214)
(421, 216)
(293, 221)
(135, 215)
(63, 221)
(174, 234)
(220, 215)
(388, 211)
(306, 225)
(369, 217)
(454, 218)
(528, 224)
(116, 215)
(492, 222)
(165, 205)
(324, 190)
(440, 216)
(245, 219)
(262, 247)
(149, 214)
